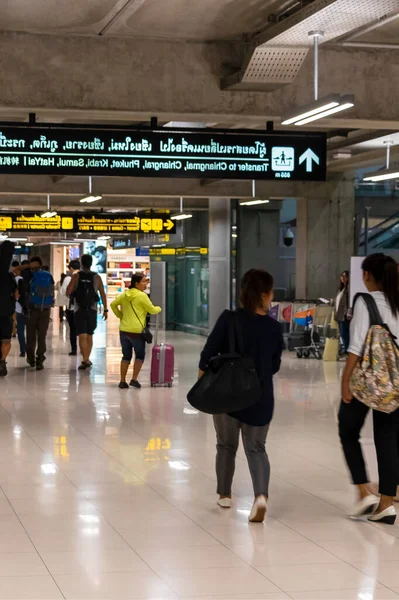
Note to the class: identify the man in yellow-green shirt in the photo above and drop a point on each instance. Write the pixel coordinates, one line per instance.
(132, 308)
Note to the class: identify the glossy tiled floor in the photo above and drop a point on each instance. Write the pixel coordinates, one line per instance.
(109, 494)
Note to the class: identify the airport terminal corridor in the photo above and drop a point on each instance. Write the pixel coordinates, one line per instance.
(109, 493)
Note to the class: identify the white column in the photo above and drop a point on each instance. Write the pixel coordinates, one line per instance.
(219, 257)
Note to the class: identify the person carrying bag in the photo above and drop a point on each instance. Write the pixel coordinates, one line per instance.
(131, 308)
(236, 370)
(370, 381)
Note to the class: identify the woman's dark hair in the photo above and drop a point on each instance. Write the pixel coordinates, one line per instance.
(341, 283)
(255, 283)
(384, 269)
(62, 278)
(136, 278)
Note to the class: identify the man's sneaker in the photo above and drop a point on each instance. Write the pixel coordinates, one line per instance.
(3, 368)
(135, 384)
(123, 385)
(31, 363)
(22, 355)
(73, 354)
(39, 366)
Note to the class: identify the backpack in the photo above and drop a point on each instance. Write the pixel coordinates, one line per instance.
(85, 295)
(41, 290)
(375, 381)
(7, 295)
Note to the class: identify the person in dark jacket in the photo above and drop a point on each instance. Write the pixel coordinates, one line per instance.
(263, 341)
(7, 303)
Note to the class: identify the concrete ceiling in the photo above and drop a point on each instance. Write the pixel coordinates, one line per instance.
(236, 26)
(166, 19)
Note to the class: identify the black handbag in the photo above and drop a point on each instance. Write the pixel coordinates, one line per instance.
(230, 382)
(146, 333)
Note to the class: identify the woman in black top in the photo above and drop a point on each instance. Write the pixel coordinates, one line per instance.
(263, 341)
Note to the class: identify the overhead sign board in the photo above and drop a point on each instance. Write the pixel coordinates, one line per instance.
(87, 223)
(299, 156)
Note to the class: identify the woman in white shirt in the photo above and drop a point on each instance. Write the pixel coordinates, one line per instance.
(61, 299)
(380, 275)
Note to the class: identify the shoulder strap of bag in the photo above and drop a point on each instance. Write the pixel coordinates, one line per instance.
(236, 342)
(134, 310)
(374, 313)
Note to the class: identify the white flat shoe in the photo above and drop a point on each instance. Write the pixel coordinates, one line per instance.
(365, 506)
(258, 511)
(225, 502)
(387, 516)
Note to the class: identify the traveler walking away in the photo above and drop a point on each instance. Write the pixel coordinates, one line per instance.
(21, 313)
(132, 308)
(380, 275)
(342, 313)
(8, 288)
(84, 289)
(61, 299)
(40, 300)
(263, 342)
(74, 267)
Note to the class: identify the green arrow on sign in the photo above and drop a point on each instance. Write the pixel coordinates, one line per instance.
(169, 224)
(309, 156)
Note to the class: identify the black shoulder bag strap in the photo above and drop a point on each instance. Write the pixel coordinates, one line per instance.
(374, 313)
(134, 310)
(236, 342)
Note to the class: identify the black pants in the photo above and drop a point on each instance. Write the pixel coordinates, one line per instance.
(386, 438)
(72, 330)
(21, 328)
(36, 329)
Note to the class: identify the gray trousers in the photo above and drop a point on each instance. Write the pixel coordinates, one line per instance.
(254, 441)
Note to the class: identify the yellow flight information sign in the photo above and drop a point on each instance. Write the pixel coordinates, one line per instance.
(88, 223)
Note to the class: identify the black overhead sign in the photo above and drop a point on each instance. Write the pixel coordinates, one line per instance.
(87, 223)
(299, 156)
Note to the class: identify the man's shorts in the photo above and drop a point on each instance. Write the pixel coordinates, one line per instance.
(85, 321)
(6, 327)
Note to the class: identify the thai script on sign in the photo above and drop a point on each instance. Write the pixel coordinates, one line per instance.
(257, 149)
(6, 142)
(44, 144)
(95, 144)
(129, 146)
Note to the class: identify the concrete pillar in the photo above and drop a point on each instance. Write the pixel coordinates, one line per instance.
(219, 257)
(325, 236)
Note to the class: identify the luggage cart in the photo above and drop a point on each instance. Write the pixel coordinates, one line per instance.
(318, 333)
(299, 334)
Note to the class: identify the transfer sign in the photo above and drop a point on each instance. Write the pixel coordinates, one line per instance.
(215, 154)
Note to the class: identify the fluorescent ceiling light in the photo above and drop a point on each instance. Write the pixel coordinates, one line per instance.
(326, 113)
(234, 235)
(22, 239)
(253, 202)
(104, 237)
(18, 247)
(314, 108)
(48, 214)
(29, 244)
(181, 216)
(89, 199)
(383, 176)
(319, 109)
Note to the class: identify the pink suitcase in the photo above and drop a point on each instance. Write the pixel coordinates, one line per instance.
(162, 365)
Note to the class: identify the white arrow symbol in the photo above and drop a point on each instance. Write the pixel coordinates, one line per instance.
(309, 156)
